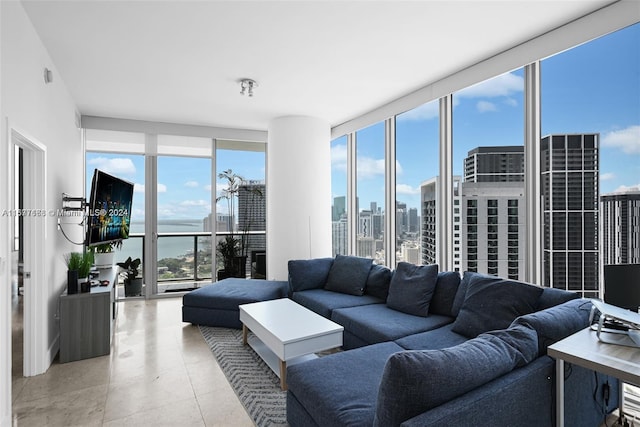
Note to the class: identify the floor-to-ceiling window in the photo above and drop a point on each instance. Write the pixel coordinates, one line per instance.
(339, 230)
(488, 155)
(590, 147)
(370, 190)
(417, 136)
(130, 167)
(183, 195)
(243, 216)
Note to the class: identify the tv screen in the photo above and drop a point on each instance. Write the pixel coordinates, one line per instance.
(109, 209)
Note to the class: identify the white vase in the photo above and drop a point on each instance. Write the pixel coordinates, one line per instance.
(104, 260)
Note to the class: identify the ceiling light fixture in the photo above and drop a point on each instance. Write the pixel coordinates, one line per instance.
(246, 86)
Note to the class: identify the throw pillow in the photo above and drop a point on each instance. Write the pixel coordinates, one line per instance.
(445, 293)
(493, 303)
(412, 287)
(348, 274)
(415, 381)
(556, 323)
(378, 282)
(308, 273)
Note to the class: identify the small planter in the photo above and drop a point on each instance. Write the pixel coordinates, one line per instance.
(133, 287)
(104, 260)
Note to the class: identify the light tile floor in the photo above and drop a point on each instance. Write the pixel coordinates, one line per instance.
(160, 372)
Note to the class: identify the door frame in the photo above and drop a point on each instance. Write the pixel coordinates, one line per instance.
(36, 350)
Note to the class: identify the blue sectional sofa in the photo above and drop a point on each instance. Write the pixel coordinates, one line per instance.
(429, 348)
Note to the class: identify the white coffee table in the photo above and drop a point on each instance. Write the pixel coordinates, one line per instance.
(286, 332)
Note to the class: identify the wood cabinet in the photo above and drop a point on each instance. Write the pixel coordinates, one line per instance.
(86, 320)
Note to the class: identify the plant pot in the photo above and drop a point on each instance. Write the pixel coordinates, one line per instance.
(133, 287)
(104, 260)
(72, 282)
(236, 267)
(84, 284)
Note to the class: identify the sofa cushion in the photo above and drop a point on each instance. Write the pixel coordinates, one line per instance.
(412, 288)
(378, 282)
(434, 339)
(558, 322)
(445, 293)
(348, 274)
(552, 296)
(493, 303)
(308, 273)
(376, 323)
(416, 381)
(324, 302)
(333, 391)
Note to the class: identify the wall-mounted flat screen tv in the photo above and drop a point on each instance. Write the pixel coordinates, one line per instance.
(109, 209)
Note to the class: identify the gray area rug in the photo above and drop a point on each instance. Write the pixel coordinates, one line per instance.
(255, 384)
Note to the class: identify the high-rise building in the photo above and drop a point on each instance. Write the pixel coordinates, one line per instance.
(620, 213)
(493, 212)
(430, 238)
(569, 189)
(493, 228)
(495, 164)
(365, 224)
(252, 214)
(339, 236)
(414, 222)
(339, 208)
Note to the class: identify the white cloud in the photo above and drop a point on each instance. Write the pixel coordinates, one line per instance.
(369, 167)
(207, 187)
(339, 157)
(116, 166)
(625, 188)
(426, 111)
(503, 85)
(607, 176)
(406, 189)
(139, 188)
(486, 106)
(627, 140)
(191, 184)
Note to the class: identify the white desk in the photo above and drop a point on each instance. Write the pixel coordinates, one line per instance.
(287, 331)
(584, 349)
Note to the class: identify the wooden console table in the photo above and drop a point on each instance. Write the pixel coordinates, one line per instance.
(86, 320)
(584, 349)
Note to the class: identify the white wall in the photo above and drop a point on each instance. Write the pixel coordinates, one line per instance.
(298, 192)
(45, 113)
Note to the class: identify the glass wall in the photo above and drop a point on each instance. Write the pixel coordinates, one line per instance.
(370, 190)
(184, 213)
(130, 167)
(590, 151)
(243, 215)
(339, 196)
(417, 140)
(488, 156)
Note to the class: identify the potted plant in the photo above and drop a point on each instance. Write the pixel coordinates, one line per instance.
(79, 266)
(132, 283)
(104, 253)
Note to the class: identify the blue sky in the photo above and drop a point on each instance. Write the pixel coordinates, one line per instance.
(594, 87)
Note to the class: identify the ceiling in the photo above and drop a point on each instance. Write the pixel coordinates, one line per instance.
(180, 61)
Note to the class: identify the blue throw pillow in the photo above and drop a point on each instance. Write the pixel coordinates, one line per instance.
(493, 303)
(308, 273)
(556, 323)
(445, 293)
(348, 274)
(378, 282)
(415, 381)
(412, 287)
